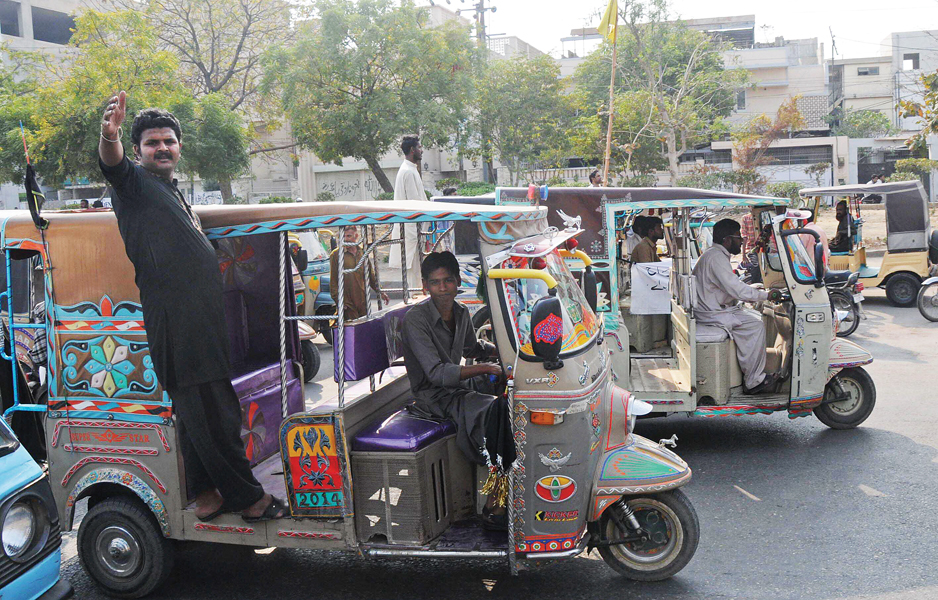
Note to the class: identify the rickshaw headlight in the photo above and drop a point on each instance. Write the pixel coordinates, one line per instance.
(19, 529)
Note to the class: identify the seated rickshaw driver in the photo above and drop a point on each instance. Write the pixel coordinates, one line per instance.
(438, 334)
(843, 241)
(718, 291)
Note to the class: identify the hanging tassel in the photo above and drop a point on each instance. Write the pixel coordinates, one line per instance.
(491, 482)
(501, 490)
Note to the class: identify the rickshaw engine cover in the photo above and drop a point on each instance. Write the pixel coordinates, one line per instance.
(411, 481)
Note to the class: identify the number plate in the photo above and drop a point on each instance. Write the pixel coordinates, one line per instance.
(858, 297)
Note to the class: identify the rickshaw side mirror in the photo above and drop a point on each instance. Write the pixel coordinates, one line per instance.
(588, 284)
(332, 243)
(547, 331)
(819, 268)
(301, 258)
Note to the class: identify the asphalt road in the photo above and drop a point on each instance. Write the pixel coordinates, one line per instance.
(788, 509)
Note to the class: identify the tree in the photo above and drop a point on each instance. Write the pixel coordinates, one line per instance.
(751, 143)
(219, 43)
(65, 99)
(817, 171)
(926, 111)
(521, 108)
(367, 71)
(785, 189)
(635, 148)
(910, 169)
(680, 69)
(216, 144)
(860, 123)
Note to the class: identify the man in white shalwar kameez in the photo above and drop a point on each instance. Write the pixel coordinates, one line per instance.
(718, 291)
(409, 186)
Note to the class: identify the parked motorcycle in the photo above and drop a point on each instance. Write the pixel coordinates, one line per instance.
(846, 298)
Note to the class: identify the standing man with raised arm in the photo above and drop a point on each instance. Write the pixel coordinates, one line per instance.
(181, 293)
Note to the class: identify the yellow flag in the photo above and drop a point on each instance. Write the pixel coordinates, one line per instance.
(607, 27)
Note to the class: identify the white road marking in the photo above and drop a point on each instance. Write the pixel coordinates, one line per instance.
(747, 494)
(871, 492)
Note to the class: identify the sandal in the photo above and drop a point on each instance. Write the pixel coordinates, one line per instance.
(221, 510)
(275, 510)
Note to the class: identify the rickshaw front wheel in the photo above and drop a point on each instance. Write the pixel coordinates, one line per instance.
(861, 398)
(122, 549)
(671, 527)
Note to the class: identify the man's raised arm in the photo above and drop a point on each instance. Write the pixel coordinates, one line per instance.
(109, 146)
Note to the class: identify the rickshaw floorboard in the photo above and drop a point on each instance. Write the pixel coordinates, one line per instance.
(469, 535)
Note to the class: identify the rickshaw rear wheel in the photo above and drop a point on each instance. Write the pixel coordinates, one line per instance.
(311, 360)
(928, 301)
(122, 549)
(902, 289)
(849, 413)
(674, 530)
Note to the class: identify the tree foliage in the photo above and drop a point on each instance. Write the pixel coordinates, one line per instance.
(926, 111)
(108, 52)
(521, 109)
(752, 142)
(680, 69)
(367, 71)
(216, 143)
(861, 124)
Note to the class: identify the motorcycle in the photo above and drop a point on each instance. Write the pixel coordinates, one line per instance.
(846, 298)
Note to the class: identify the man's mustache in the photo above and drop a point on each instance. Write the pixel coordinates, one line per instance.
(160, 155)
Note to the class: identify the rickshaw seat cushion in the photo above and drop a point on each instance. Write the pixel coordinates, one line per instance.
(401, 432)
(710, 334)
(366, 344)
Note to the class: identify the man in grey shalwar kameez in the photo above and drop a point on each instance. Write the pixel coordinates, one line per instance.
(438, 334)
(719, 290)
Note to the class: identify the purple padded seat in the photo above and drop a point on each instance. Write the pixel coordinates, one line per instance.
(366, 344)
(401, 432)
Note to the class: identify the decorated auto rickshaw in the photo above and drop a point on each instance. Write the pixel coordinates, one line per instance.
(908, 237)
(359, 472)
(697, 371)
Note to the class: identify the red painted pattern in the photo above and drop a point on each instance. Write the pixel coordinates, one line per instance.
(549, 330)
(111, 450)
(223, 528)
(308, 535)
(132, 407)
(112, 460)
(82, 325)
(111, 425)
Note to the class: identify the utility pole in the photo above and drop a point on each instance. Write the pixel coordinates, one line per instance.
(479, 8)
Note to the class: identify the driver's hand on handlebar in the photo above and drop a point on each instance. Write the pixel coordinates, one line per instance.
(776, 295)
(491, 369)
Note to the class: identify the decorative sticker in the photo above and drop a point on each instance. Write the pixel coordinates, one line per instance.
(549, 330)
(313, 457)
(556, 516)
(554, 459)
(555, 488)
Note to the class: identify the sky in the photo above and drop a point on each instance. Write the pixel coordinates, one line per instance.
(858, 25)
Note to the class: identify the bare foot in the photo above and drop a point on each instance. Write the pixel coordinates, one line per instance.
(207, 502)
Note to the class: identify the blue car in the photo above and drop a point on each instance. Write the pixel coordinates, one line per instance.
(30, 553)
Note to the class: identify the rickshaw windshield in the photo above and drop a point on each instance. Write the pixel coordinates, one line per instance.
(802, 263)
(580, 325)
(314, 248)
(8, 441)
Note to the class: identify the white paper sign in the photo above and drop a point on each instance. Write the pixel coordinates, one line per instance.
(651, 293)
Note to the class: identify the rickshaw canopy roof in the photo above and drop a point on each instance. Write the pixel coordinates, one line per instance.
(644, 198)
(907, 220)
(225, 221)
(880, 189)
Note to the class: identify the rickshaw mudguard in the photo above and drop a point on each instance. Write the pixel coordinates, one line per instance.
(639, 467)
(100, 477)
(845, 354)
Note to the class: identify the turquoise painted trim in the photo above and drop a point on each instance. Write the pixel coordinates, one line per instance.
(17, 470)
(117, 400)
(613, 204)
(111, 416)
(631, 466)
(37, 580)
(384, 218)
